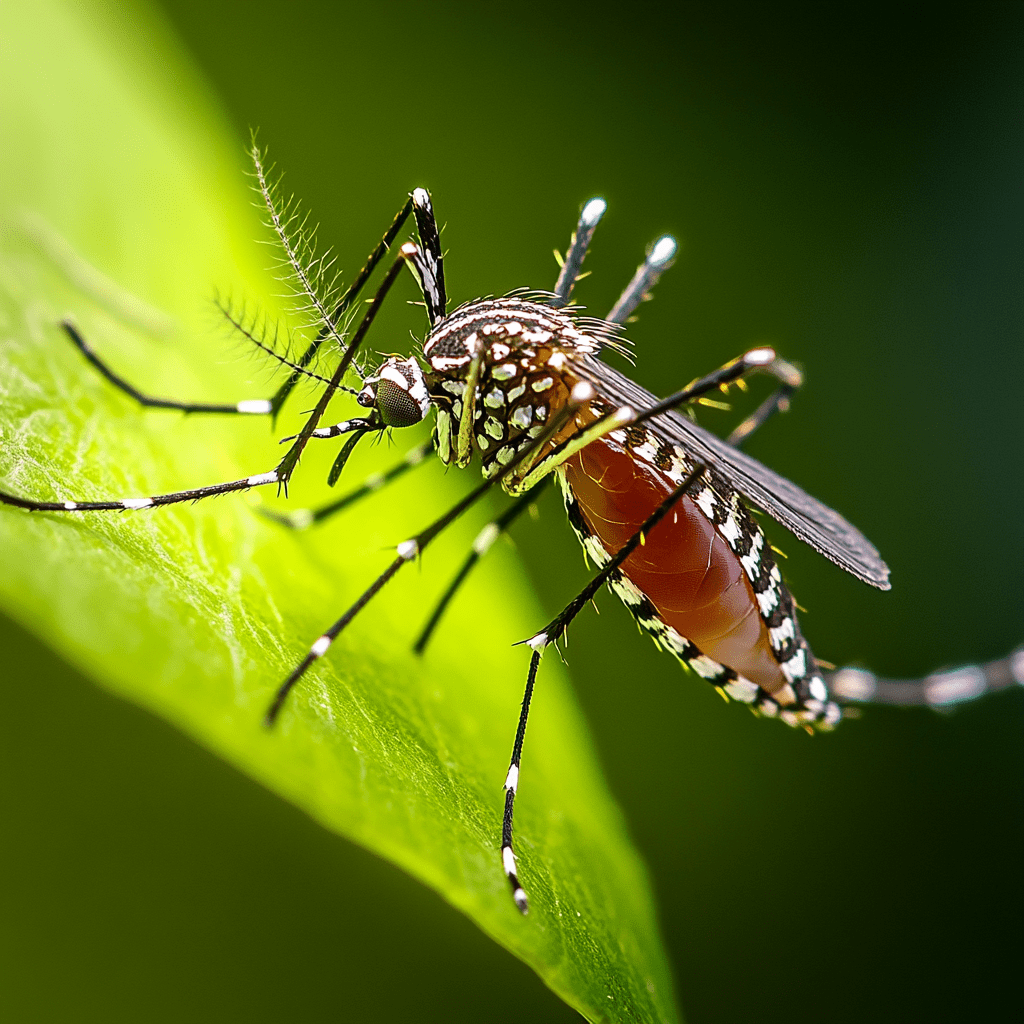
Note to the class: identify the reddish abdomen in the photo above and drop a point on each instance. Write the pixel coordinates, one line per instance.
(685, 569)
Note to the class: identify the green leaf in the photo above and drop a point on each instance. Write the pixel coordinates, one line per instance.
(124, 206)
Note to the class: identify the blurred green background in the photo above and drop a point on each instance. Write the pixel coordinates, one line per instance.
(845, 180)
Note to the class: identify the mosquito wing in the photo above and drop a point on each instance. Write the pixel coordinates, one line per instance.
(807, 518)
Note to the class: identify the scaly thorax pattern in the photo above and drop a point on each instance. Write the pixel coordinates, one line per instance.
(704, 584)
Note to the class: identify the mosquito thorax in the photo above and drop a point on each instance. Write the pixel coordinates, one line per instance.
(524, 350)
(398, 392)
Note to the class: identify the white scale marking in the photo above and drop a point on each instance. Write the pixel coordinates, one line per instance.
(796, 667)
(70, 505)
(494, 399)
(408, 550)
(262, 478)
(593, 212)
(137, 502)
(959, 684)
(742, 690)
(672, 638)
(767, 600)
(779, 635)
(504, 372)
(854, 684)
(751, 561)
(485, 538)
(730, 530)
(512, 779)
(1017, 666)
(255, 406)
(706, 502)
(627, 591)
(705, 667)
(319, 649)
(523, 416)
(537, 337)
(543, 384)
(508, 860)
(664, 250)
(595, 549)
(817, 689)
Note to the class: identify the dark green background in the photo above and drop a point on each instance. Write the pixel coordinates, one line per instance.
(846, 183)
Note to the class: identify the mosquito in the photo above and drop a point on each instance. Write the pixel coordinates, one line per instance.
(661, 506)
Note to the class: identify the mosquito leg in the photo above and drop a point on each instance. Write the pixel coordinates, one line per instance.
(351, 294)
(252, 406)
(758, 359)
(508, 857)
(429, 271)
(410, 549)
(464, 438)
(432, 284)
(592, 212)
(790, 379)
(301, 519)
(550, 634)
(660, 257)
(173, 498)
(939, 690)
(344, 427)
(409, 253)
(485, 538)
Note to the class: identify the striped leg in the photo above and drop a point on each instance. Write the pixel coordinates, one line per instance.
(281, 474)
(134, 504)
(551, 634)
(410, 255)
(571, 266)
(303, 518)
(412, 548)
(790, 379)
(485, 538)
(660, 257)
(756, 360)
(508, 858)
(431, 281)
(251, 407)
(938, 690)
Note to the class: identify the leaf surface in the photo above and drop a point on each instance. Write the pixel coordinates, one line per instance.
(125, 205)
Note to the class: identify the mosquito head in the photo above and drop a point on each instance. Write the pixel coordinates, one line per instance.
(398, 392)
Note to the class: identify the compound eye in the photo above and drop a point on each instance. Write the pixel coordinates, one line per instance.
(400, 393)
(396, 406)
